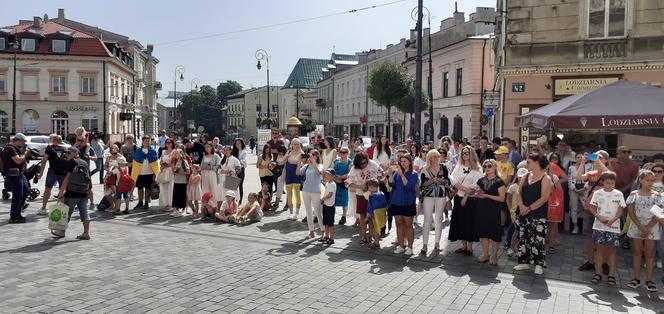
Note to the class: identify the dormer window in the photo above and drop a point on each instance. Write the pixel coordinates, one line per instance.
(59, 45)
(3, 43)
(27, 44)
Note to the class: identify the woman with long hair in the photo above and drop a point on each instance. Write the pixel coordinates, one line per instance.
(312, 172)
(181, 170)
(490, 200)
(166, 187)
(403, 181)
(342, 167)
(434, 190)
(464, 179)
(209, 176)
(229, 167)
(363, 170)
(240, 153)
(533, 197)
(293, 181)
(383, 153)
(263, 165)
(330, 153)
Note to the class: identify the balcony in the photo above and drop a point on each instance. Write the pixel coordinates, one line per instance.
(605, 49)
(320, 102)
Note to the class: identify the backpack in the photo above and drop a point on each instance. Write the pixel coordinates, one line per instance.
(126, 182)
(79, 179)
(58, 161)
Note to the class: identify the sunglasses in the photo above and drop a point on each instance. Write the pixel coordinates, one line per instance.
(465, 154)
(487, 166)
(80, 140)
(343, 153)
(658, 171)
(626, 151)
(274, 133)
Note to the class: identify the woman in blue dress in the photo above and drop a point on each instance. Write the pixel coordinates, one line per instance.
(342, 167)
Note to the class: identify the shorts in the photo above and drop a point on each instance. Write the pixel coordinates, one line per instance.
(606, 238)
(402, 210)
(328, 216)
(144, 181)
(78, 202)
(51, 178)
(379, 218)
(588, 221)
(121, 195)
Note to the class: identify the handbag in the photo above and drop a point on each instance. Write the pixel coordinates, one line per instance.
(154, 191)
(304, 177)
(58, 217)
(232, 183)
(164, 176)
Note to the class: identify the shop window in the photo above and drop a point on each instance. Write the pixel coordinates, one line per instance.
(4, 122)
(606, 18)
(89, 121)
(60, 123)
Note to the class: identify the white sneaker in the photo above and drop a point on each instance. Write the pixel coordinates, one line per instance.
(291, 217)
(575, 230)
(44, 212)
(399, 250)
(539, 270)
(408, 251)
(176, 213)
(510, 253)
(521, 267)
(659, 264)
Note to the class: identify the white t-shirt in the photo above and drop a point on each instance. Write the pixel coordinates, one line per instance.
(607, 204)
(360, 176)
(330, 187)
(419, 162)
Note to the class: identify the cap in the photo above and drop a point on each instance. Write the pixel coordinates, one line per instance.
(521, 172)
(331, 171)
(603, 154)
(502, 150)
(20, 137)
(72, 149)
(207, 196)
(230, 193)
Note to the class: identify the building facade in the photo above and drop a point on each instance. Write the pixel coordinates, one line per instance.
(299, 92)
(554, 51)
(246, 110)
(66, 77)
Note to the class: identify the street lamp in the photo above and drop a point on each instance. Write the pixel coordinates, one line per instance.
(14, 45)
(194, 84)
(261, 54)
(413, 15)
(178, 70)
(418, 15)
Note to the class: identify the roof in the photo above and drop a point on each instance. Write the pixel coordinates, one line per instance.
(343, 57)
(81, 44)
(306, 73)
(240, 93)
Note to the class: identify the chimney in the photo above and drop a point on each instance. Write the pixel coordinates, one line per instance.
(36, 22)
(45, 17)
(459, 18)
(150, 48)
(61, 14)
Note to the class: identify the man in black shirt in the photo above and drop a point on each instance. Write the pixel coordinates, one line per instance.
(194, 149)
(15, 159)
(56, 156)
(484, 152)
(75, 199)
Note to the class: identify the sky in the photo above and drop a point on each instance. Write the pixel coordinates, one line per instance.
(168, 24)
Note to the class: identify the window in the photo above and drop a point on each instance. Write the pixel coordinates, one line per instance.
(446, 84)
(258, 108)
(89, 121)
(459, 81)
(58, 45)
(88, 86)
(4, 122)
(606, 18)
(3, 43)
(170, 113)
(58, 84)
(3, 84)
(27, 44)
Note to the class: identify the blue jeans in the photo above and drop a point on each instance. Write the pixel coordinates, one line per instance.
(99, 167)
(81, 203)
(19, 188)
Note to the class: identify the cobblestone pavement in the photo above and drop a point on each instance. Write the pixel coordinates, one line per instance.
(150, 262)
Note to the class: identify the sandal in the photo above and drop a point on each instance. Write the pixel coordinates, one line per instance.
(651, 287)
(483, 261)
(611, 280)
(596, 279)
(552, 250)
(468, 253)
(635, 283)
(329, 241)
(83, 237)
(374, 246)
(460, 251)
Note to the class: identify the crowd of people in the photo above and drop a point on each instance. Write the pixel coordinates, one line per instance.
(496, 197)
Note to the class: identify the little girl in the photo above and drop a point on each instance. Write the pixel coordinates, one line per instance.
(643, 230)
(264, 197)
(194, 190)
(607, 205)
(228, 208)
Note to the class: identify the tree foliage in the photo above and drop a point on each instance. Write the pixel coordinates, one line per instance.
(204, 108)
(307, 125)
(388, 83)
(406, 104)
(226, 89)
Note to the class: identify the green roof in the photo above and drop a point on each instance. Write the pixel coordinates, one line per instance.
(306, 73)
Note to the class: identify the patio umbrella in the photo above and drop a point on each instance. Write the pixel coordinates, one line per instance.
(620, 105)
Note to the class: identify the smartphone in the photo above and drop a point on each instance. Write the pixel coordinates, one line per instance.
(591, 156)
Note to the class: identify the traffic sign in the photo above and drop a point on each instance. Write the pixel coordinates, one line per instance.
(489, 111)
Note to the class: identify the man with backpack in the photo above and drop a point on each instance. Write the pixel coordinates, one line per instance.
(14, 161)
(75, 189)
(56, 156)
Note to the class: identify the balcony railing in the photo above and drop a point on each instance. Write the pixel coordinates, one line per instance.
(605, 49)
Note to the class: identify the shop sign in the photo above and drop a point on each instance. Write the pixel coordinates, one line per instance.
(575, 86)
(79, 108)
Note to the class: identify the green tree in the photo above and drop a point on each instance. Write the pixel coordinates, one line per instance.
(226, 89)
(406, 105)
(204, 108)
(388, 83)
(307, 125)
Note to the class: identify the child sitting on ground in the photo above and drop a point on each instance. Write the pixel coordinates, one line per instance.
(228, 208)
(376, 211)
(208, 206)
(250, 212)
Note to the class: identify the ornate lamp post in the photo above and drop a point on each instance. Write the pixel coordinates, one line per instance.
(179, 71)
(261, 54)
(14, 45)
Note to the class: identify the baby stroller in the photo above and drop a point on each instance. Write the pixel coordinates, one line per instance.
(31, 174)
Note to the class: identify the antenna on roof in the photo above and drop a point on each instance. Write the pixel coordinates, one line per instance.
(333, 49)
(456, 10)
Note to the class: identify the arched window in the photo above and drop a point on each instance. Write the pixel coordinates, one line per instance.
(458, 128)
(89, 121)
(60, 123)
(4, 122)
(30, 119)
(444, 126)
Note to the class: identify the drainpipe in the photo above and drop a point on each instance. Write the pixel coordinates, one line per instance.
(482, 86)
(503, 37)
(103, 65)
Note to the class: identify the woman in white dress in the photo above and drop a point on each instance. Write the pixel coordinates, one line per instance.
(230, 166)
(329, 154)
(166, 188)
(240, 153)
(209, 176)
